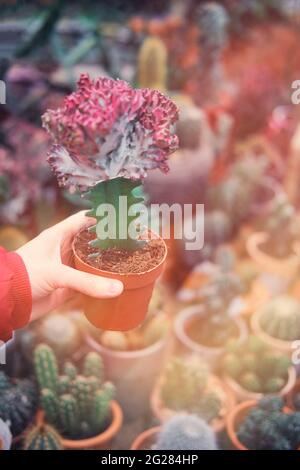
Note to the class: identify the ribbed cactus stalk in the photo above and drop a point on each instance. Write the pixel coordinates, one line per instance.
(68, 414)
(46, 367)
(79, 405)
(152, 64)
(186, 432)
(280, 318)
(42, 437)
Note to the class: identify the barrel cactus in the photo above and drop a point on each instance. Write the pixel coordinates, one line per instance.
(18, 403)
(186, 432)
(77, 405)
(5, 436)
(280, 318)
(42, 437)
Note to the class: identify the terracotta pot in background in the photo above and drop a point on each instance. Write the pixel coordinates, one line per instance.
(128, 310)
(101, 441)
(242, 394)
(146, 439)
(209, 354)
(162, 413)
(133, 373)
(236, 417)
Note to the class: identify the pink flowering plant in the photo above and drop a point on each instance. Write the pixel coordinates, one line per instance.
(106, 137)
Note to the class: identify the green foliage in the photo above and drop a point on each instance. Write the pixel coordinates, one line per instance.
(42, 437)
(76, 405)
(18, 403)
(114, 233)
(280, 318)
(185, 388)
(267, 427)
(255, 367)
(186, 432)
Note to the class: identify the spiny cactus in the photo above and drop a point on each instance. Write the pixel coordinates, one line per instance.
(152, 64)
(280, 318)
(255, 367)
(267, 427)
(42, 437)
(5, 436)
(18, 403)
(186, 432)
(77, 405)
(185, 389)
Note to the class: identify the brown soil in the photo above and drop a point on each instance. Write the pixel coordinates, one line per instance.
(117, 260)
(201, 331)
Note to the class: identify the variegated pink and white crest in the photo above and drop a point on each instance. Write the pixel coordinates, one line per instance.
(106, 129)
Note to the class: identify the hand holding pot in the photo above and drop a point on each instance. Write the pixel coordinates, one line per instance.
(53, 280)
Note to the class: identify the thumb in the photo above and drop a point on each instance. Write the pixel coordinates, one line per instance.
(89, 284)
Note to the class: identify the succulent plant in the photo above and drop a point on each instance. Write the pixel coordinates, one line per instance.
(267, 427)
(42, 437)
(152, 64)
(280, 318)
(104, 148)
(5, 436)
(186, 432)
(185, 388)
(18, 403)
(76, 405)
(255, 367)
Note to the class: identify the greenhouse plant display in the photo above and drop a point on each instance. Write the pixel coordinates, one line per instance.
(186, 385)
(252, 370)
(204, 328)
(277, 323)
(135, 351)
(106, 137)
(79, 406)
(18, 404)
(264, 425)
(182, 432)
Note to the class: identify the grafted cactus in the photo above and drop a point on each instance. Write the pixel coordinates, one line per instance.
(280, 318)
(78, 406)
(42, 437)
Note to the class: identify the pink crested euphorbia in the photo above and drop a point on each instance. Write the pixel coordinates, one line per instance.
(106, 129)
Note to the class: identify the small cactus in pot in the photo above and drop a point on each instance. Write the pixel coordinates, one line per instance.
(5, 436)
(77, 405)
(42, 437)
(280, 318)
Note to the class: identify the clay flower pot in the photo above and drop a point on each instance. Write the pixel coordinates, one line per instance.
(162, 413)
(211, 355)
(284, 347)
(128, 310)
(290, 395)
(284, 268)
(133, 373)
(101, 441)
(236, 417)
(146, 439)
(241, 394)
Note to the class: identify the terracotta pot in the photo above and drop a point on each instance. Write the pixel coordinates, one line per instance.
(211, 355)
(133, 373)
(284, 347)
(101, 441)
(242, 394)
(146, 439)
(290, 395)
(162, 413)
(285, 268)
(128, 310)
(236, 417)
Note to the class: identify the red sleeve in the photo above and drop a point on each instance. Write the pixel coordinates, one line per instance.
(15, 294)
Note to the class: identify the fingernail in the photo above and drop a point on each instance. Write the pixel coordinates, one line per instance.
(116, 287)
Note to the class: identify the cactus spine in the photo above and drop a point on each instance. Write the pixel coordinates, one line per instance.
(42, 437)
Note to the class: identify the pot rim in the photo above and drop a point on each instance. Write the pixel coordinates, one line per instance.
(192, 311)
(137, 353)
(120, 275)
(142, 437)
(98, 440)
(284, 345)
(241, 391)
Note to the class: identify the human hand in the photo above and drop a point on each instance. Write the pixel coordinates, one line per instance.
(48, 260)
